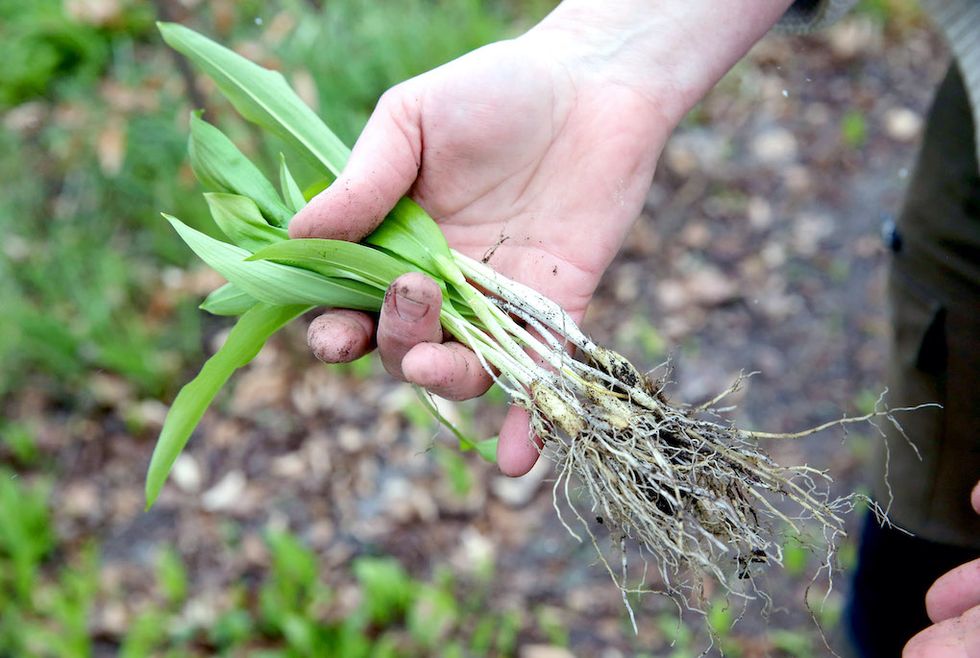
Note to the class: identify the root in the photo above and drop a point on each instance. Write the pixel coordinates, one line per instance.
(695, 494)
(699, 497)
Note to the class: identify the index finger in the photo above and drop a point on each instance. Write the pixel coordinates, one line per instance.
(382, 167)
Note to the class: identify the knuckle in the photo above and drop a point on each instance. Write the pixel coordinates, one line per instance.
(394, 102)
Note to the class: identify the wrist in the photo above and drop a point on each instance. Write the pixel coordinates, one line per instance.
(671, 51)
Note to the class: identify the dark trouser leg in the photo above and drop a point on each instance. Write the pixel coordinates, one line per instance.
(887, 605)
(935, 298)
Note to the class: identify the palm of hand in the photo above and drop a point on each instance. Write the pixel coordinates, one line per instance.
(535, 164)
(537, 171)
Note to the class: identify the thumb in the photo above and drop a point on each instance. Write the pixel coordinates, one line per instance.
(383, 165)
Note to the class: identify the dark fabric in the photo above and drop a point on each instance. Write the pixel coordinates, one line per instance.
(894, 573)
(934, 291)
(805, 7)
(808, 15)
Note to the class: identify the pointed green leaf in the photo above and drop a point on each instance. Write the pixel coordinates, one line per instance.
(411, 234)
(290, 190)
(316, 187)
(336, 258)
(261, 96)
(264, 97)
(240, 219)
(229, 299)
(273, 283)
(221, 167)
(243, 343)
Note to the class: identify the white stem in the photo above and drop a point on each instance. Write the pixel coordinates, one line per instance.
(491, 354)
(486, 313)
(567, 360)
(551, 356)
(547, 311)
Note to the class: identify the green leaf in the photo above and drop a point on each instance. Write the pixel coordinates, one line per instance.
(172, 576)
(221, 167)
(243, 343)
(488, 449)
(387, 589)
(290, 190)
(411, 234)
(261, 96)
(316, 187)
(273, 283)
(229, 299)
(294, 565)
(432, 616)
(239, 218)
(336, 258)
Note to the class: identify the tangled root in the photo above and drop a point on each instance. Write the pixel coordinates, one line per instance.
(698, 497)
(695, 494)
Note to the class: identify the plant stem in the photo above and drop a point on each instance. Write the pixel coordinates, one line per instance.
(548, 312)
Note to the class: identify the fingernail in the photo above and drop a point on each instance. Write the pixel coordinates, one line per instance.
(408, 309)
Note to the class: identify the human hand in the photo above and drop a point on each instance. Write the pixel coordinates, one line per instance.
(535, 153)
(953, 604)
(513, 151)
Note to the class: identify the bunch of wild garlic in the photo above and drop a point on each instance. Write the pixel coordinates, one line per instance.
(693, 493)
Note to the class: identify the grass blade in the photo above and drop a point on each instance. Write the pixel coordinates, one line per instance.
(263, 97)
(243, 343)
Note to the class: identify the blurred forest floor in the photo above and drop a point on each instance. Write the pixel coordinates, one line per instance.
(320, 511)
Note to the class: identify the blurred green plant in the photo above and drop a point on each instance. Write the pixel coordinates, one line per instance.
(87, 163)
(884, 11)
(796, 644)
(847, 554)
(796, 554)
(455, 468)
(679, 636)
(288, 612)
(17, 439)
(172, 577)
(76, 272)
(42, 45)
(550, 622)
(355, 51)
(866, 401)
(40, 615)
(26, 535)
(640, 330)
(854, 129)
(722, 618)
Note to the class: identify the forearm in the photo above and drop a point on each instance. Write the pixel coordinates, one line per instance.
(672, 51)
